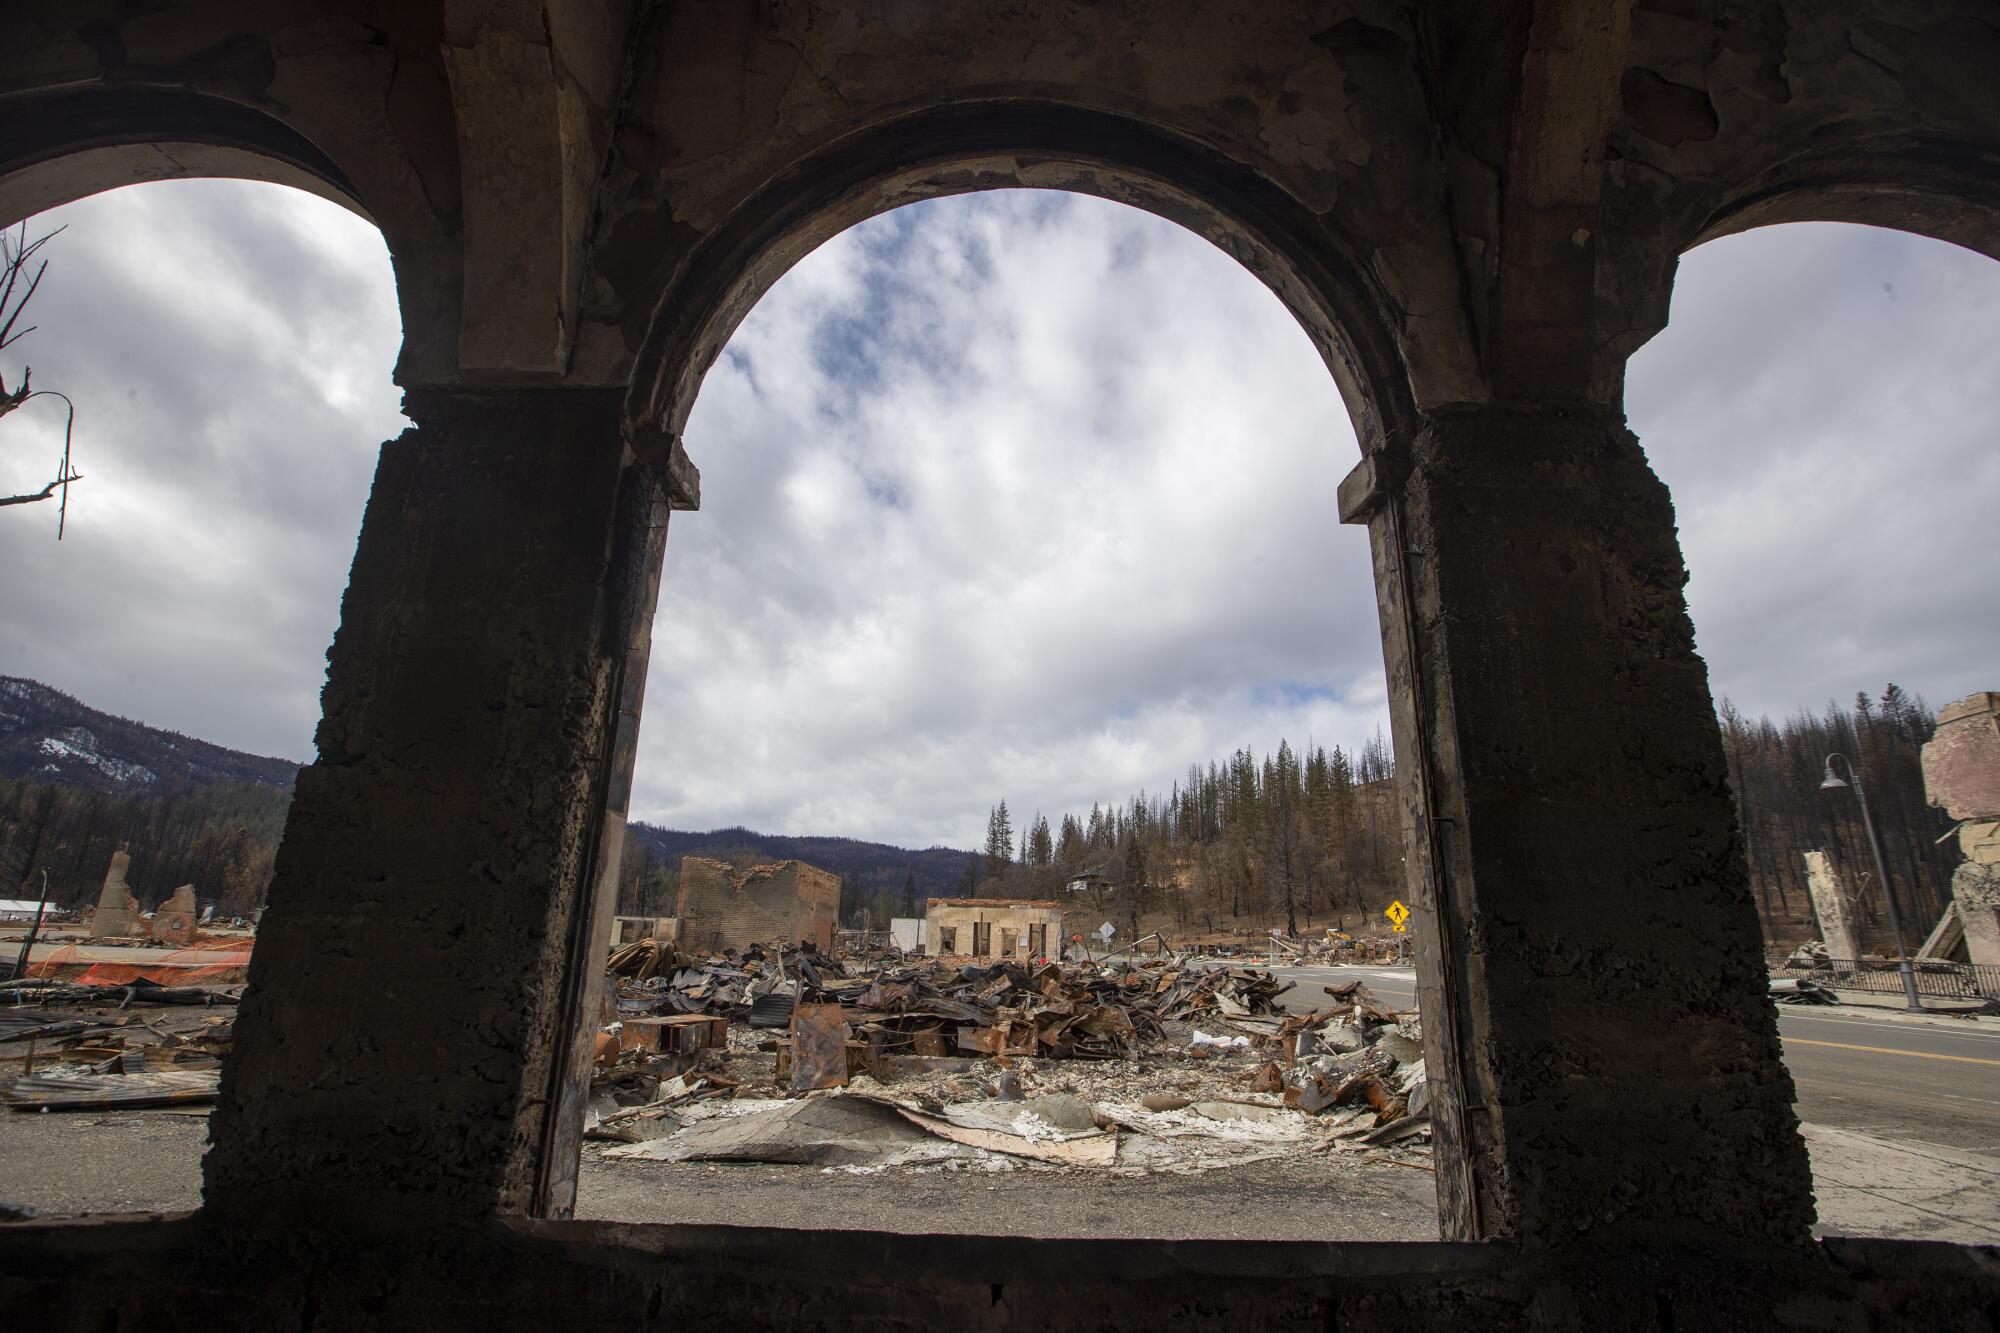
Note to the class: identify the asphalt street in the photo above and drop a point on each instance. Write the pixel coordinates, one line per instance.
(1859, 1066)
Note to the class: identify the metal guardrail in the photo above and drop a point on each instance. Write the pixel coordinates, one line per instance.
(1947, 981)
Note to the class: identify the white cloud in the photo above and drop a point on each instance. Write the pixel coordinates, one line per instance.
(228, 346)
(1021, 496)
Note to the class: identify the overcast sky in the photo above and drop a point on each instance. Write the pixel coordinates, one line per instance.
(1020, 495)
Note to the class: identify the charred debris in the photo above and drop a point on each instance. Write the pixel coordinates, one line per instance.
(784, 1055)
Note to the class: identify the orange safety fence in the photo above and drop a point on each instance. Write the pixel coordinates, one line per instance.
(181, 967)
(67, 956)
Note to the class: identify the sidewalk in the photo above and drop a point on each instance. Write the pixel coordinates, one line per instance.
(1958, 1015)
(1868, 1186)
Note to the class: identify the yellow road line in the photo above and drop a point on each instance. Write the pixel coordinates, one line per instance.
(1889, 1050)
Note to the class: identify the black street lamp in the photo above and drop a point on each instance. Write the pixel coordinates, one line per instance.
(1853, 779)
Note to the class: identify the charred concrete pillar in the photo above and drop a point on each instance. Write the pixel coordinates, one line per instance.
(1603, 1055)
(1830, 905)
(413, 1034)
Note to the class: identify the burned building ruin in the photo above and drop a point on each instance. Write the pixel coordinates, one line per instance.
(1474, 211)
(993, 927)
(1962, 775)
(722, 907)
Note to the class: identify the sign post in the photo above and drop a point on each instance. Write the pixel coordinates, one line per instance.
(1399, 916)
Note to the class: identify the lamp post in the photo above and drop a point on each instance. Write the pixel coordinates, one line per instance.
(1853, 779)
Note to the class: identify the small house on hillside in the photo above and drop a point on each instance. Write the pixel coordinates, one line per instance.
(1091, 879)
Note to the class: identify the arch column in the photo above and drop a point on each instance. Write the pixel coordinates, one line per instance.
(1604, 1056)
(415, 1031)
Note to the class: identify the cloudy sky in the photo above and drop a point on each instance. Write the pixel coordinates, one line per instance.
(1020, 495)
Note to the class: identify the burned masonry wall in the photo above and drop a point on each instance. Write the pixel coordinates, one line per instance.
(993, 927)
(721, 907)
(1962, 775)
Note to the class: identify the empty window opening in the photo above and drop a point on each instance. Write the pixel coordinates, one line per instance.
(227, 346)
(1822, 405)
(1022, 501)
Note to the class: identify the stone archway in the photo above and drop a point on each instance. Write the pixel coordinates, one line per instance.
(982, 146)
(59, 147)
(987, 146)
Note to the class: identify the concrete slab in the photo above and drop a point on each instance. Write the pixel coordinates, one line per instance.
(1870, 1186)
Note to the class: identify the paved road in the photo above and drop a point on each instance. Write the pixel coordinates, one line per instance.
(1854, 1069)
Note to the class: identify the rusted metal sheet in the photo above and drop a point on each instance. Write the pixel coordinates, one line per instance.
(674, 1034)
(980, 1041)
(1003, 1038)
(819, 1047)
(684, 1034)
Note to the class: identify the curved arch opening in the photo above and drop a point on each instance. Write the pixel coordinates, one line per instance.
(1821, 406)
(56, 148)
(1024, 498)
(228, 346)
(1001, 145)
(1939, 189)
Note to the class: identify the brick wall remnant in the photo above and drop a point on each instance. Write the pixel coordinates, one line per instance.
(1962, 759)
(721, 907)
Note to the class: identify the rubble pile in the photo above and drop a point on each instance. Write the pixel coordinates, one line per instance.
(939, 1065)
(793, 1056)
(1801, 990)
(650, 977)
(68, 1047)
(1358, 1054)
(935, 1007)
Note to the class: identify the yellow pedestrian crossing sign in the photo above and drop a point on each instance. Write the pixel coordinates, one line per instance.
(1399, 916)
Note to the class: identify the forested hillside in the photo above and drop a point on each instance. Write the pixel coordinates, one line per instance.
(874, 875)
(76, 784)
(47, 736)
(1776, 770)
(1293, 841)
(220, 838)
(1290, 840)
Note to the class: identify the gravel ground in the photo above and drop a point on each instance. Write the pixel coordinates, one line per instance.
(1315, 1197)
(80, 1163)
(150, 1161)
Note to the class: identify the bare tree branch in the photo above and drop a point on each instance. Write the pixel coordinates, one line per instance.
(15, 252)
(14, 256)
(46, 493)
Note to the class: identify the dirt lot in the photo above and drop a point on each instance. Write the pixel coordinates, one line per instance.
(150, 1161)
